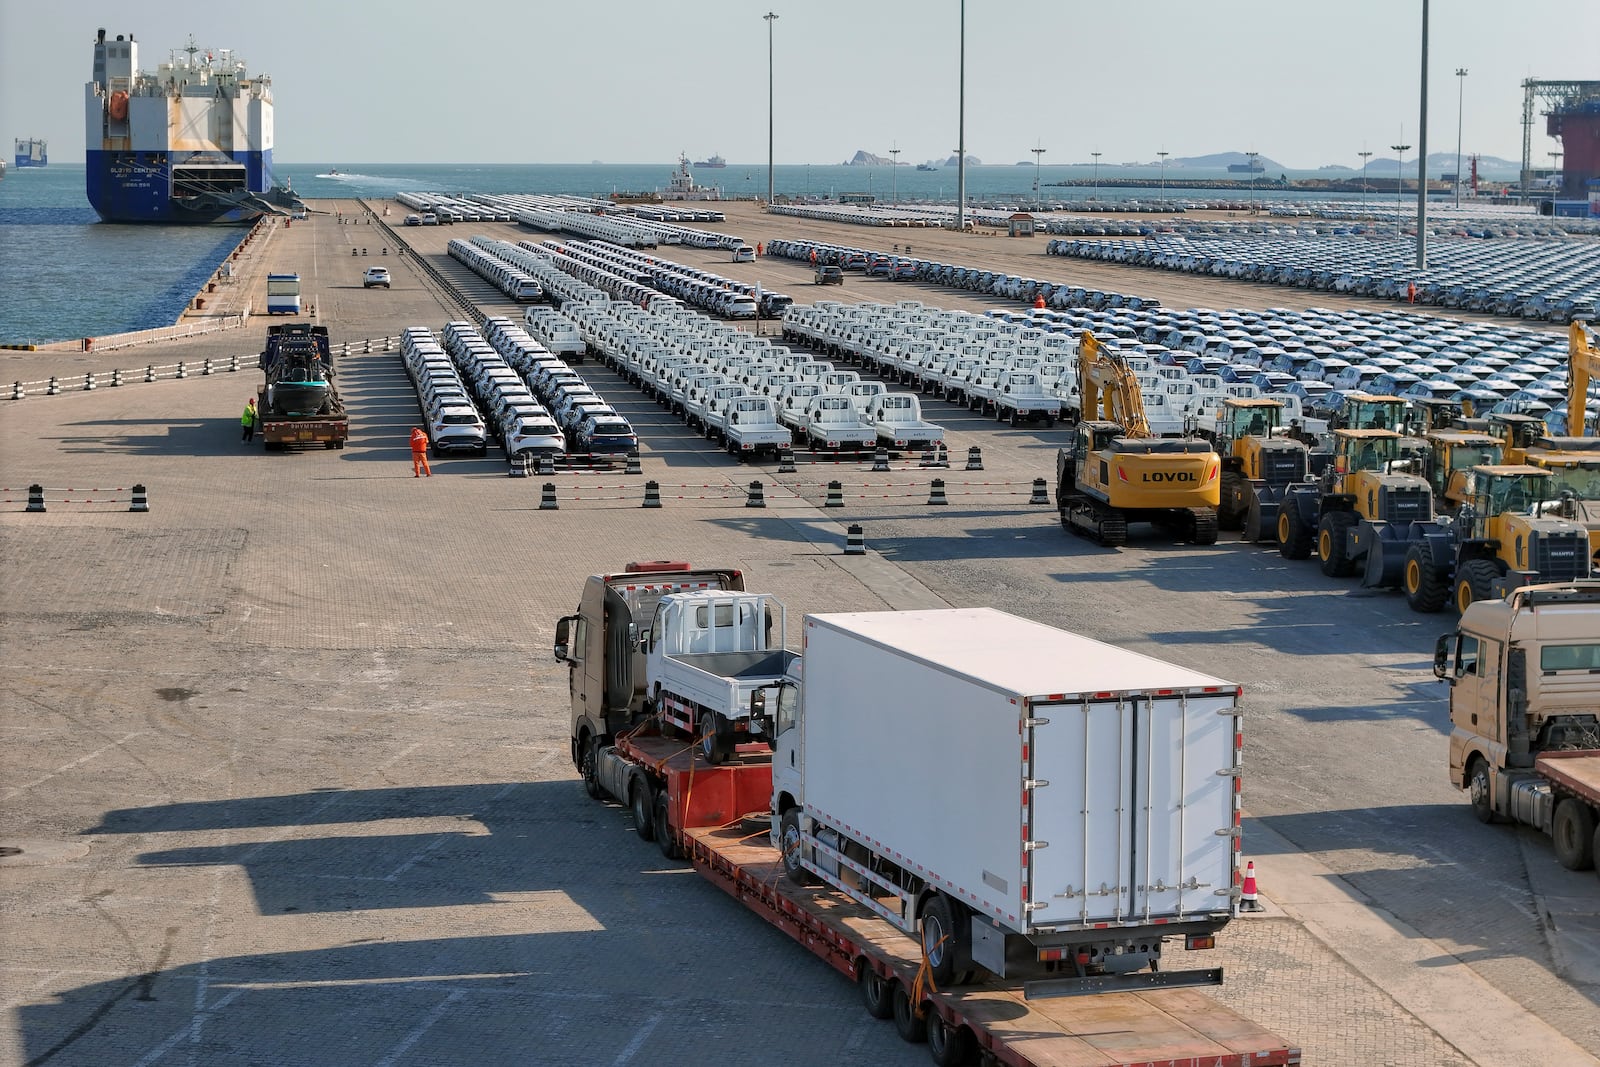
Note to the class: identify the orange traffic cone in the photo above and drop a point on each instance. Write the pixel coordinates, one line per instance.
(1247, 894)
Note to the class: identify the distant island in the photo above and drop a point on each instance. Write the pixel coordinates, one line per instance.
(864, 158)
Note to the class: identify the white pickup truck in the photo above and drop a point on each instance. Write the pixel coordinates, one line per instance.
(1020, 395)
(833, 423)
(753, 427)
(897, 420)
(793, 402)
(717, 407)
(706, 652)
(556, 332)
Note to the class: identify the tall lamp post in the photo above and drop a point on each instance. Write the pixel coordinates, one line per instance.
(1037, 153)
(894, 175)
(1163, 156)
(1365, 155)
(769, 18)
(1251, 156)
(1556, 175)
(1422, 151)
(1399, 185)
(1096, 156)
(1461, 96)
(961, 126)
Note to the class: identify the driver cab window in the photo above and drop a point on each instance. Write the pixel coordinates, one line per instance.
(580, 638)
(1467, 656)
(788, 707)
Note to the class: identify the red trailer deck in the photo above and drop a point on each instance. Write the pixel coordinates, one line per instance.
(707, 808)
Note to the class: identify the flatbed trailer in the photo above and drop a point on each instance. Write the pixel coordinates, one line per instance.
(714, 816)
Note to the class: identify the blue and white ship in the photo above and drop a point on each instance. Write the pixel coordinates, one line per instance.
(190, 143)
(32, 152)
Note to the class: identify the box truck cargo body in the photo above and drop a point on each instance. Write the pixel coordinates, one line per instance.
(1077, 802)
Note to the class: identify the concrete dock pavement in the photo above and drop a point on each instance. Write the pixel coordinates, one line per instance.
(289, 752)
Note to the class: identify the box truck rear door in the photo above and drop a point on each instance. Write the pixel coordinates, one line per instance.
(1125, 806)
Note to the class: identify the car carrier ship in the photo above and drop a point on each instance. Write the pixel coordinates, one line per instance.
(189, 143)
(32, 152)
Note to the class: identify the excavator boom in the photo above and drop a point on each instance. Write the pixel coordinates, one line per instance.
(1583, 363)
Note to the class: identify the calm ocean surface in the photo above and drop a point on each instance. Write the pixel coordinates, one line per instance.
(68, 275)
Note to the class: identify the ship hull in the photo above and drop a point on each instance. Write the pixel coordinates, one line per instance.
(129, 187)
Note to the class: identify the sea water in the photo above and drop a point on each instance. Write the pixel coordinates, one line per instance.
(67, 275)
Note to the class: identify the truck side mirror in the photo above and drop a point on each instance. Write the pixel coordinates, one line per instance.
(1441, 658)
(563, 635)
(642, 640)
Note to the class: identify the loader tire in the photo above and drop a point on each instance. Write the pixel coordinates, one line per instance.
(1474, 582)
(1228, 517)
(1294, 535)
(1333, 545)
(1426, 585)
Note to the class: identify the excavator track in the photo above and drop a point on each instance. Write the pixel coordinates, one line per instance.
(1089, 518)
(1202, 526)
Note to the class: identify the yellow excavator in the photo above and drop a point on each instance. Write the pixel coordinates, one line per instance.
(1583, 363)
(1117, 472)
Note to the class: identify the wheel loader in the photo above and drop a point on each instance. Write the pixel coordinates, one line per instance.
(1356, 508)
(1502, 537)
(1258, 464)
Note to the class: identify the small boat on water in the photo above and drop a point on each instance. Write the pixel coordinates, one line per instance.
(925, 166)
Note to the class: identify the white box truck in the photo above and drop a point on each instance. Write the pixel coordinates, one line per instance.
(1026, 800)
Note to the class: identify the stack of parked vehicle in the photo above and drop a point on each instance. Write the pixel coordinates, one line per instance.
(451, 418)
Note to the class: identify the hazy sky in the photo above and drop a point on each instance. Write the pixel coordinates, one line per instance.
(402, 81)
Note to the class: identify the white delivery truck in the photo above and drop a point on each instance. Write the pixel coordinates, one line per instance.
(1027, 801)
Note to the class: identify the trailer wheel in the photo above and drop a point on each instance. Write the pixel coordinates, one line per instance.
(791, 841)
(906, 1023)
(944, 941)
(1478, 788)
(1573, 831)
(713, 745)
(658, 816)
(644, 817)
(877, 992)
(949, 1044)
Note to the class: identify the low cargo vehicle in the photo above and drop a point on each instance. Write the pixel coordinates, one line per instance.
(704, 813)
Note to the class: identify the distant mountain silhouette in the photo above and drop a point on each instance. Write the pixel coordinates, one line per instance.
(864, 158)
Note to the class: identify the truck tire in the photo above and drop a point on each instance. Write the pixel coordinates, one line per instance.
(877, 992)
(589, 769)
(1572, 830)
(790, 842)
(1425, 584)
(950, 1045)
(945, 938)
(1294, 535)
(643, 800)
(714, 745)
(1333, 544)
(906, 1022)
(663, 829)
(1478, 790)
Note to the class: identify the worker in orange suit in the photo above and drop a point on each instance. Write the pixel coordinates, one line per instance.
(419, 454)
(1038, 301)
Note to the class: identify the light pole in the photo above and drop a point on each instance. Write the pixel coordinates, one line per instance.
(894, 175)
(1163, 156)
(1461, 96)
(1096, 156)
(1251, 171)
(1422, 151)
(1399, 185)
(769, 18)
(1365, 155)
(1038, 153)
(1555, 174)
(961, 126)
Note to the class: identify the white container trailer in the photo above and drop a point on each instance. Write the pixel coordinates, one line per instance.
(1036, 803)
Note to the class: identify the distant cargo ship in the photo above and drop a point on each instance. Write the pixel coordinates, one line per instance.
(926, 166)
(1252, 167)
(190, 143)
(714, 163)
(32, 152)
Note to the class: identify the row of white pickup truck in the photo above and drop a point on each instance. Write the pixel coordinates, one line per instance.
(744, 391)
(1013, 370)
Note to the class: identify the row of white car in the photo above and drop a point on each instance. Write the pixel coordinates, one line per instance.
(508, 278)
(728, 297)
(454, 423)
(539, 403)
(745, 392)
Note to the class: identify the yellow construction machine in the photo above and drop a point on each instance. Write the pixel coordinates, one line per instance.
(1504, 536)
(1259, 463)
(1116, 472)
(1452, 454)
(1357, 510)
